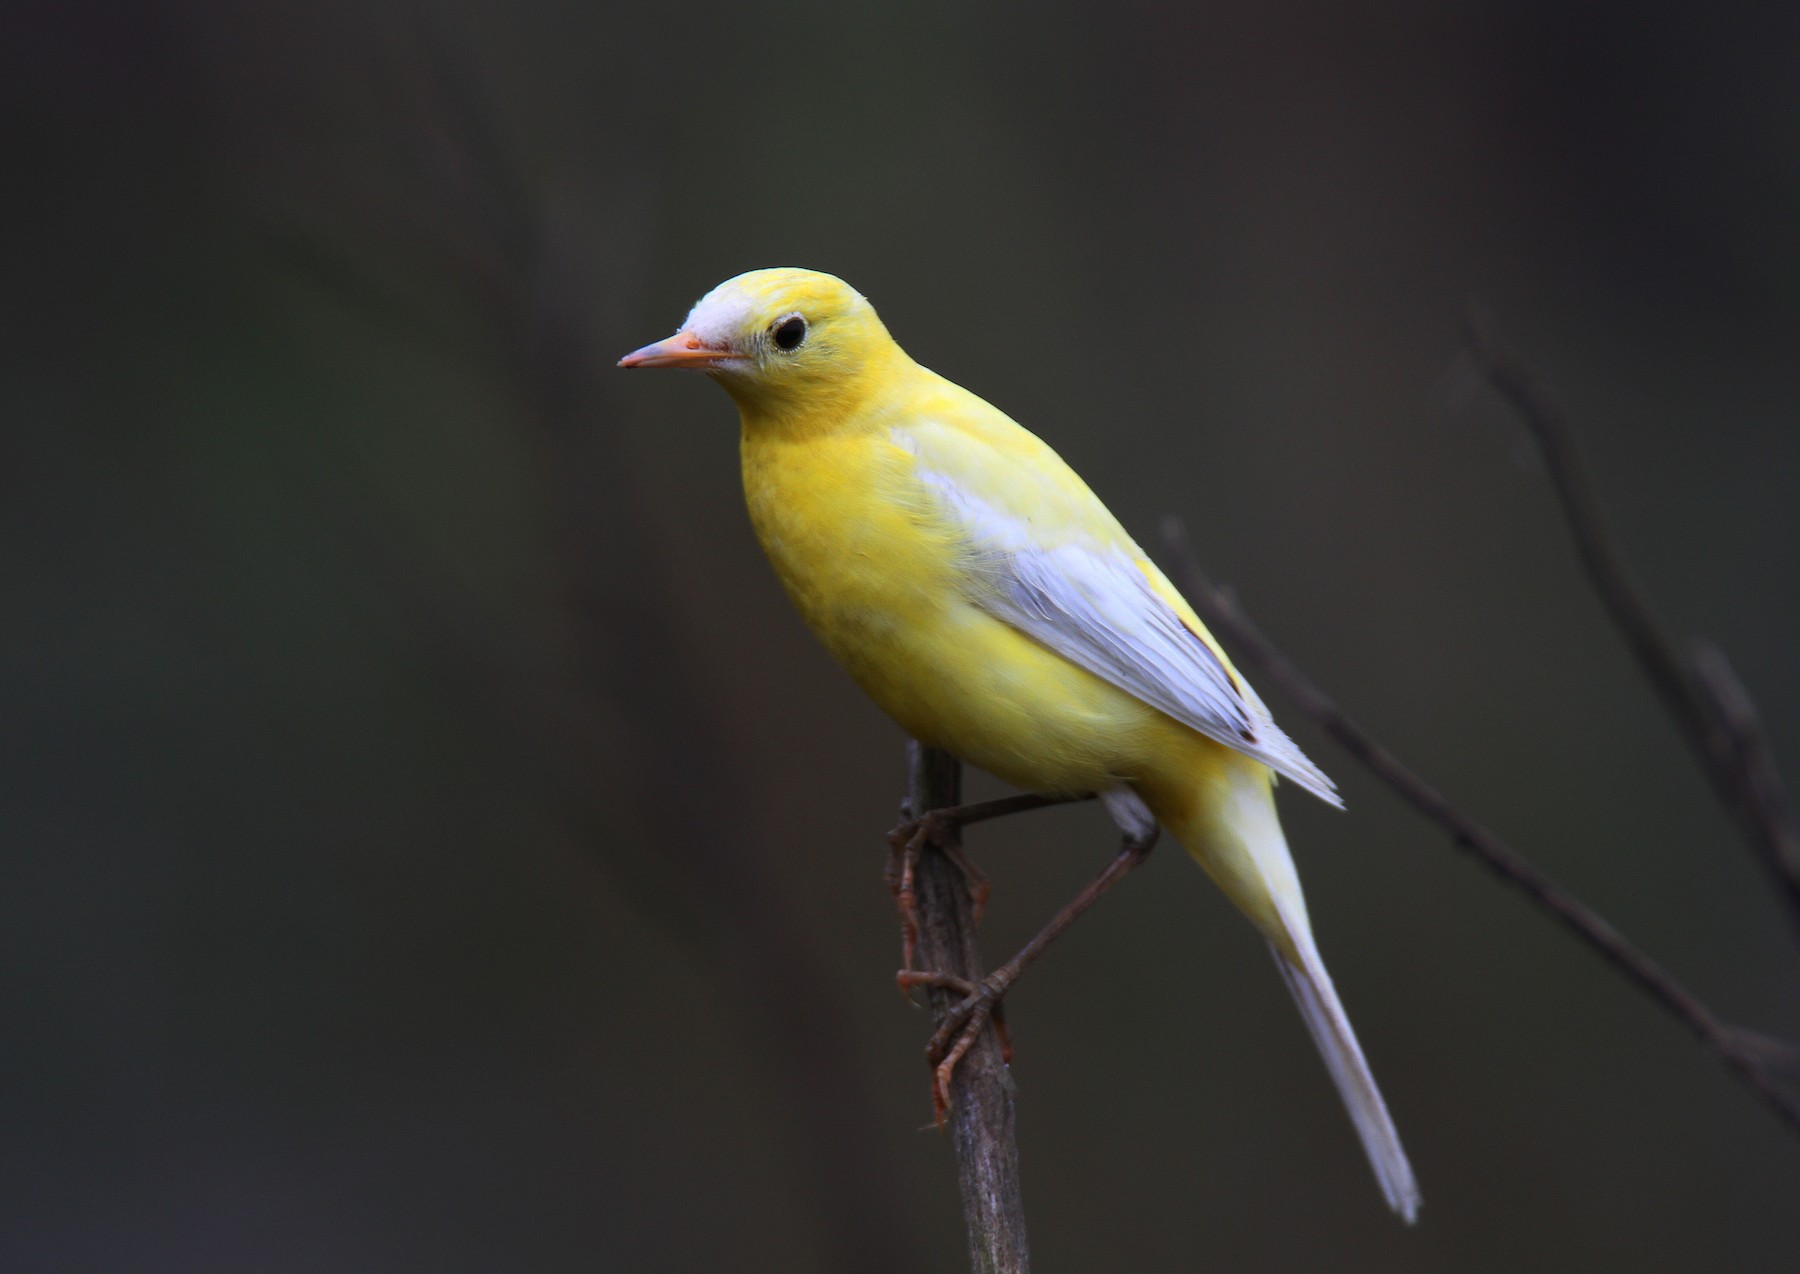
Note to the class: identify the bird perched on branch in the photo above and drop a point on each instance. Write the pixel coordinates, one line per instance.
(984, 597)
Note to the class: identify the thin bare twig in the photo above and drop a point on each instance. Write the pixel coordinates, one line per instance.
(1712, 710)
(1750, 746)
(981, 1091)
(1222, 612)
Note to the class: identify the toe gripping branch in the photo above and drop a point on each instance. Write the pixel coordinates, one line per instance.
(961, 1022)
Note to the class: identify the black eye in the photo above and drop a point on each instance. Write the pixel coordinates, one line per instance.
(790, 332)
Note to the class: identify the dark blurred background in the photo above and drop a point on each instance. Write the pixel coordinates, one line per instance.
(431, 843)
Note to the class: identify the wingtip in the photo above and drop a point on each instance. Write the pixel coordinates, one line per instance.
(1311, 778)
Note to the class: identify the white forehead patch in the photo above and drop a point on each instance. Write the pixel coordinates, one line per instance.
(719, 316)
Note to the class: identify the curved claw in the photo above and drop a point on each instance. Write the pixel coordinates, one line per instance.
(963, 1024)
(905, 843)
(961, 1027)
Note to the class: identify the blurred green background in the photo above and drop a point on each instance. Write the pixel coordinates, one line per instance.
(431, 843)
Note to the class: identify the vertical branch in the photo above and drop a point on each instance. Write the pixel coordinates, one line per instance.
(981, 1093)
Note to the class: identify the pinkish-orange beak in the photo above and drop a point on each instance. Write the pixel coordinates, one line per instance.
(683, 349)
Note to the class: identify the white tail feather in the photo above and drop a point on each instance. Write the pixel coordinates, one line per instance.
(1324, 1015)
(1230, 827)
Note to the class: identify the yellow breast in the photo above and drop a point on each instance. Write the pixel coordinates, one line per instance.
(884, 586)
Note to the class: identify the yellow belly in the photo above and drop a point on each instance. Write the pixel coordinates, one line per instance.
(882, 587)
(880, 582)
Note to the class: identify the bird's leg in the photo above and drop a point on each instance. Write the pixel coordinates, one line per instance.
(962, 1026)
(908, 840)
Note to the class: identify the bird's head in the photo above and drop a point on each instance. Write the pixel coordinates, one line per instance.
(777, 339)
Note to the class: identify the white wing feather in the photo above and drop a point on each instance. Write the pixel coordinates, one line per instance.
(1092, 604)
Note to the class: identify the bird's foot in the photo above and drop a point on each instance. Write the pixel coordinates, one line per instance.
(981, 1003)
(963, 1024)
(905, 843)
(939, 827)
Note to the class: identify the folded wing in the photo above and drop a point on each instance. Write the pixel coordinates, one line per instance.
(1045, 556)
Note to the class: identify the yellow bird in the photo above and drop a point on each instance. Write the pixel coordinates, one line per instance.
(984, 597)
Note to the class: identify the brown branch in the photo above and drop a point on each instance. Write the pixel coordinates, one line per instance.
(1750, 746)
(1733, 1045)
(1710, 706)
(981, 1092)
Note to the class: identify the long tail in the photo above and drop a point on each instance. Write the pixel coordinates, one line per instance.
(1227, 822)
(1331, 1031)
